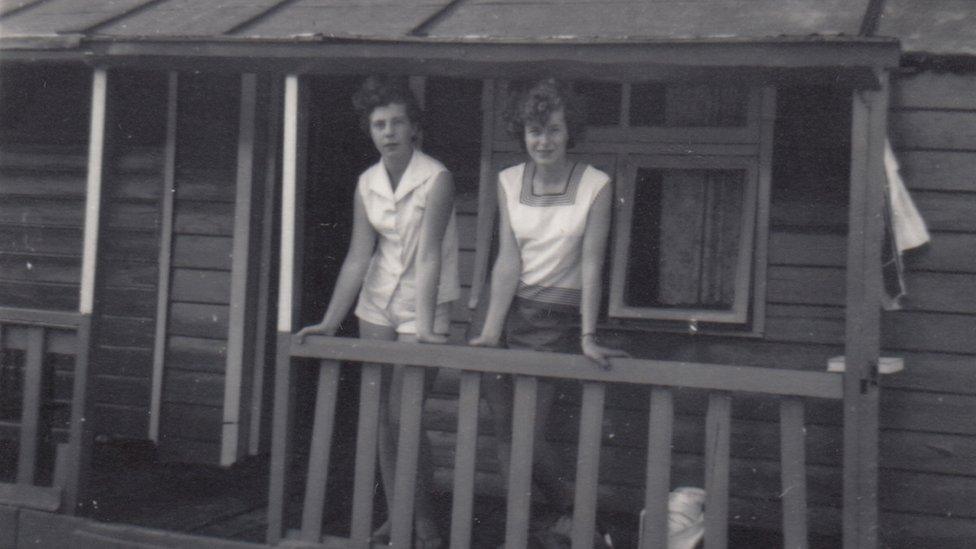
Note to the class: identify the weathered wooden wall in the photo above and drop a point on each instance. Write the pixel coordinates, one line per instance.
(206, 162)
(128, 254)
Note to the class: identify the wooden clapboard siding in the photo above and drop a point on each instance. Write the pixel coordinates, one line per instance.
(200, 277)
(129, 253)
(934, 134)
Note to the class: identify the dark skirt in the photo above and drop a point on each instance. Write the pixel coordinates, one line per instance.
(538, 326)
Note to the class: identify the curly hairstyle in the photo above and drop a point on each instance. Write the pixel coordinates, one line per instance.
(537, 102)
(379, 91)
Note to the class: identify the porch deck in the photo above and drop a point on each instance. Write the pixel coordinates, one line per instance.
(140, 502)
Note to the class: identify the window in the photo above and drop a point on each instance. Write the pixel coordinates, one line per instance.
(690, 211)
(683, 248)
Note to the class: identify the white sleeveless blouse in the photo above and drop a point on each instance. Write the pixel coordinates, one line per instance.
(549, 231)
(397, 216)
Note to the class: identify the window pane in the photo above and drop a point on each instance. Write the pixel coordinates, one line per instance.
(688, 105)
(684, 241)
(602, 101)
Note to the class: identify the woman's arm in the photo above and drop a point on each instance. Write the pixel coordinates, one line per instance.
(594, 247)
(504, 279)
(351, 275)
(440, 205)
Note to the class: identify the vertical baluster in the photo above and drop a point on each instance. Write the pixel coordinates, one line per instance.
(408, 446)
(520, 468)
(318, 456)
(464, 460)
(718, 422)
(366, 437)
(654, 530)
(794, 482)
(588, 464)
(30, 406)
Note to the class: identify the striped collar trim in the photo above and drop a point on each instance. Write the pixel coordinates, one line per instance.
(565, 198)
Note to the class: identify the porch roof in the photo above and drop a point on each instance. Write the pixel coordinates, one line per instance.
(815, 33)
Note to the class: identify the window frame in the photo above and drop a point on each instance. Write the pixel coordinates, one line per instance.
(623, 219)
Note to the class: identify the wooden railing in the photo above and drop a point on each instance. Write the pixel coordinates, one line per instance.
(722, 382)
(37, 334)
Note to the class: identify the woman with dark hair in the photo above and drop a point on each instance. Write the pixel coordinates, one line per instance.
(401, 263)
(547, 280)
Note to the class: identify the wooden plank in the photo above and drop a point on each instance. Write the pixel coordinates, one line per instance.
(320, 451)
(767, 121)
(81, 437)
(367, 431)
(198, 354)
(487, 196)
(257, 439)
(41, 240)
(654, 527)
(519, 497)
(42, 498)
(202, 252)
(465, 459)
(937, 170)
(588, 465)
(281, 422)
(41, 183)
(198, 320)
(242, 284)
(42, 212)
(165, 256)
(206, 184)
(794, 483)
(189, 421)
(206, 218)
(407, 458)
(940, 130)
(31, 408)
(946, 211)
(933, 90)
(202, 286)
(54, 297)
(650, 372)
(63, 319)
(717, 428)
(193, 387)
(120, 390)
(863, 324)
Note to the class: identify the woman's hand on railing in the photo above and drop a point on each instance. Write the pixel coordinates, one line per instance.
(598, 353)
(315, 329)
(437, 339)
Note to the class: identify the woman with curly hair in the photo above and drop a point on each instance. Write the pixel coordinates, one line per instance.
(547, 280)
(401, 263)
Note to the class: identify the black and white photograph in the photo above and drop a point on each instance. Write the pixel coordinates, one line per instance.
(490, 274)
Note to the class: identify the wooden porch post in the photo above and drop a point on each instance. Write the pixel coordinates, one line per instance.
(863, 320)
(240, 343)
(82, 420)
(288, 304)
(165, 257)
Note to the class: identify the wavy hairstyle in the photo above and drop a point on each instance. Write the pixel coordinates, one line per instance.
(379, 91)
(538, 101)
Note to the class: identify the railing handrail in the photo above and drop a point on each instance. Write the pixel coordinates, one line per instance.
(38, 317)
(694, 375)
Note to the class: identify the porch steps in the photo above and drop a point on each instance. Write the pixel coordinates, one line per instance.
(120, 536)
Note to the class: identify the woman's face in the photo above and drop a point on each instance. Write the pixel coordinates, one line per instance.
(546, 144)
(392, 130)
